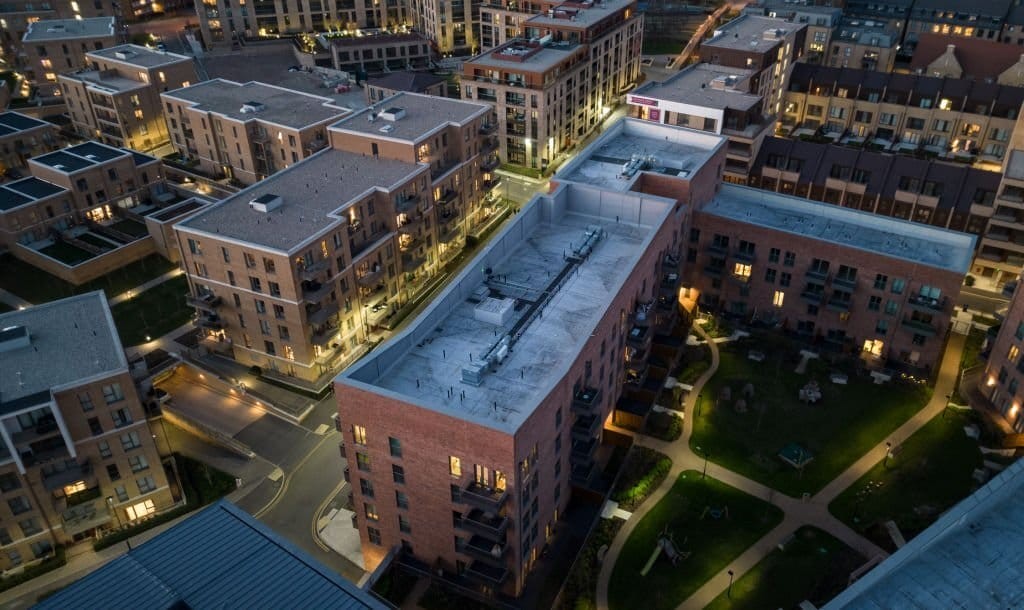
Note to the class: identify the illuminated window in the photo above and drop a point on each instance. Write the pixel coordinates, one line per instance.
(1012, 356)
(359, 434)
(778, 298)
(74, 488)
(289, 353)
(140, 510)
(46, 63)
(163, 79)
(741, 270)
(454, 466)
(945, 104)
(50, 76)
(138, 113)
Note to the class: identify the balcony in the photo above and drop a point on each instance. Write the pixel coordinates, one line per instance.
(448, 197)
(670, 263)
(410, 225)
(817, 274)
(449, 235)
(486, 524)
(490, 145)
(488, 551)
(206, 301)
(209, 321)
(487, 574)
(845, 281)
(314, 292)
(492, 183)
(485, 498)
(639, 336)
(718, 248)
(371, 276)
(919, 327)
(409, 243)
(581, 473)
(923, 303)
(583, 450)
(487, 129)
(78, 472)
(357, 248)
(586, 427)
(714, 270)
(311, 271)
(322, 314)
(838, 305)
(42, 430)
(491, 163)
(584, 401)
(82, 517)
(412, 262)
(323, 337)
(406, 203)
(812, 296)
(744, 256)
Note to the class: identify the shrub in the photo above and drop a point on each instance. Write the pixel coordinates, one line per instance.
(664, 426)
(50, 563)
(580, 588)
(644, 471)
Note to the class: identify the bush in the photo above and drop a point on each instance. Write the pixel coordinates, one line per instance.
(125, 533)
(255, 370)
(50, 563)
(395, 585)
(969, 281)
(664, 426)
(580, 588)
(643, 472)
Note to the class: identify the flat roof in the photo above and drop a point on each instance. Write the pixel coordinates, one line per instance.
(662, 149)
(108, 81)
(963, 560)
(552, 301)
(217, 558)
(424, 114)
(14, 122)
(69, 340)
(280, 106)
(63, 29)
(577, 15)
(706, 85)
(871, 33)
(85, 155)
(24, 191)
(541, 61)
(910, 241)
(315, 191)
(747, 33)
(139, 56)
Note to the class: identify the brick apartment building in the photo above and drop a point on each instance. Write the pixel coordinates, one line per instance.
(246, 131)
(117, 98)
(53, 46)
(380, 87)
(76, 454)
(23, 137)
(1004, 370)
(821, 21)
(294, 272)
(380, 53)
(767, 46)
(953, 118)
(554, 86)
(19, 15)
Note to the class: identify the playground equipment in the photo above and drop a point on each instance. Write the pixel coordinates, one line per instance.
(667, 545)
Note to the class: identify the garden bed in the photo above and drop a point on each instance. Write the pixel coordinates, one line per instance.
(642, 473)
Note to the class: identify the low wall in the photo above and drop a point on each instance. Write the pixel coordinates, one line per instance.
(90, 269)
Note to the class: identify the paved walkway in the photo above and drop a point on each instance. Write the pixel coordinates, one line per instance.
(143, 287)
(13, 300)
(798, 512)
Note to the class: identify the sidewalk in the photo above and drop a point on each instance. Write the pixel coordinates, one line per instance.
(143, 287)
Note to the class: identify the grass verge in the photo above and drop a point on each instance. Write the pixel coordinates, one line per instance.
(37, 286)
(154, 312)
(642, 473)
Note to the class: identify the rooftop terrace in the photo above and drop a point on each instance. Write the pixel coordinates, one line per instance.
(540, 61)
(577, 14)
(12, 123)
(914, 242)
(707, 86)
(314, 191)
(631, 147)
(86, 155)
(139, 56)
(553, 273)
(63, 29)
(423, 115)
(27, 190)
(752, 33)
(68, 340)
(259, 101)
(107, 81)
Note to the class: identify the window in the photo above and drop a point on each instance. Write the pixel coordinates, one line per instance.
(94, 426)
(130, 440)
(741, 271)
(790, 259)
(5, 536)
(398, 474)
(250, 260)
(401, 500)
(891, 307)
(362, 462)
(268, 265)
(1011, 356)
(875, 303)
(18, 505)
(359, 435)
(778, 298)
(146, 484)
(121, 417)
(366, 487)
(138, 463)
(29, 527)
(285, 334)
(254, 284)
(225, 254)
(9, 482)
(41, 549)
(881, 281)
(454, 466)
(274, 288)
(395, 447)
(769, 275)
(113, 472)
(122, 493)
(1020, 332)
(403, 524)
(370, 510)
(85, 400)
(773, 255)
(374, 535)
(140, 510)
(112, 393)
(785, 279)
(268, 346)
(897, 286)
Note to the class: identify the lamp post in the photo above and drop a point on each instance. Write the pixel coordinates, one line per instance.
(699, 396)
(110, 506)
(945, 409)
(728, 592)
(704, 473)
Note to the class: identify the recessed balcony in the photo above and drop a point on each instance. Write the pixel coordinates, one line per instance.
(206, 301)
(487, 499)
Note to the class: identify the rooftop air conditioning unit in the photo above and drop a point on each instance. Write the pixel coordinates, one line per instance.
(392, 114)
(252, 107)
(124, 54)
(266, 203)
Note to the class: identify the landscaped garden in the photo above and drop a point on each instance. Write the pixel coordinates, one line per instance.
(927, 474)
(36, 286)
(751, 410)
(812, 566)
(701, 522)
(153, 313)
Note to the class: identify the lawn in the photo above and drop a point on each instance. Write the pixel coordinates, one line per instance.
(929, 474)
(37, 286)
(712, 543)
(154, 312)
(971, 355)
(837, 430)
(663, 47)
(812, 566)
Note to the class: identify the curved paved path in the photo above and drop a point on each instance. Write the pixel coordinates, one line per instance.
(798, 512)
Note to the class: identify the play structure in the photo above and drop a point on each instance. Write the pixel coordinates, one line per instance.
(667, 545)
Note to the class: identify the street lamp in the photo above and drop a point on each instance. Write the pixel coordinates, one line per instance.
(728, 592)
(945, 409)
(110, 506)
(699, 395)
(704, 473)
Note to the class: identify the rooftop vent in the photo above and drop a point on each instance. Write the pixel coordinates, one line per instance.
(251, 107)
(774, 34)
(392, 114)
(59, 166)
(91, 157)
(13, 337)
(124, 54)
(266, 203)
(54, 29)
(387, 129)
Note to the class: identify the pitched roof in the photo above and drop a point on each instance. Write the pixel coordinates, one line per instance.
(219, 558)
(978, 57)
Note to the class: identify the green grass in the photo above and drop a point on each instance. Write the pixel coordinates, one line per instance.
(642, 473)
(838, 430)
(67, 253)
(580, 590)
(51, 563)
(529, 172)
(37, 286)
(154, 312)
(663, 47)
(971, 354)
(929, 474)
(697, 360)
(813, 566)
(713, 544)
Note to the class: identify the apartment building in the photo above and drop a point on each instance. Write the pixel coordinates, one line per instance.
(117, 98)
(970, 58)
(1004, 370)
(59, 45)
(76, 453)
(226, 21)
(18, 15)
(1001, 254)
(767, 46)
(465, 433)
(294, 272)
(554, 87)
(380, 53)
(380, 87)
(246, 131)
(865, 44)
(957, 18)
(710, 98)
(951, 118)
(22, 137)
(501, 21)
(821, 23)
(894, 13)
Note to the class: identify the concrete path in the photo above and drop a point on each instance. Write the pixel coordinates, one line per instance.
(798, 513)
(143, 287)
(13, 300)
